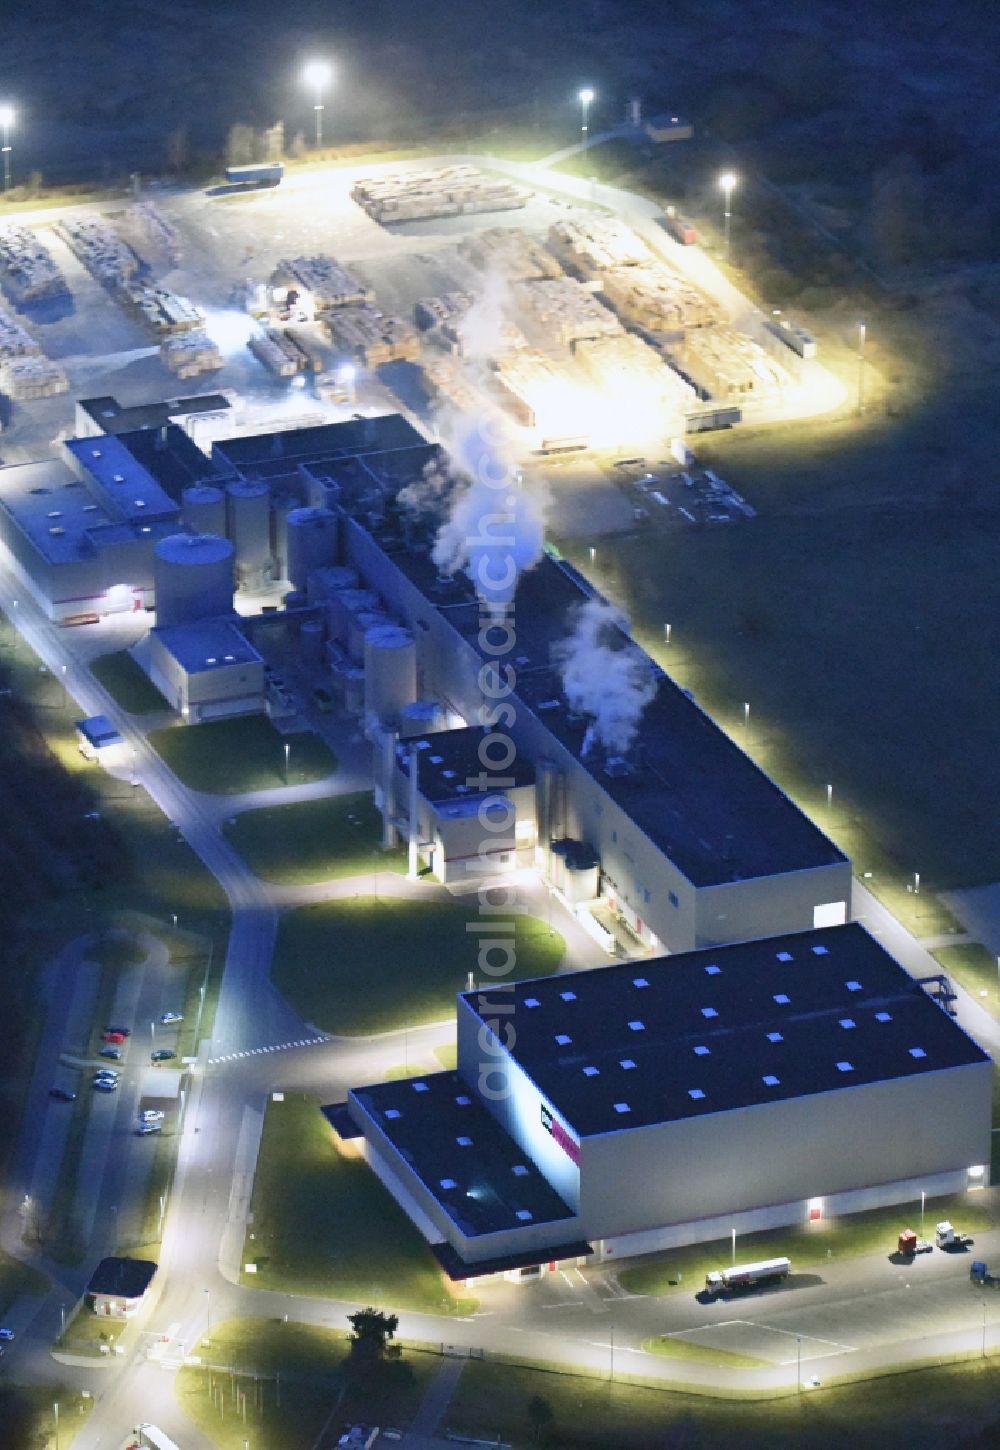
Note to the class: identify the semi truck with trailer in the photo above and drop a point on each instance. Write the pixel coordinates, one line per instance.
(267, 173)
(742, 1277)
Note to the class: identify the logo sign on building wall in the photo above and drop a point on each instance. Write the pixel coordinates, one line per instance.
(559, 1133)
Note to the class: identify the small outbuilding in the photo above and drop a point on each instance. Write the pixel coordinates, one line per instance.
(99, 739)
(118, 1287)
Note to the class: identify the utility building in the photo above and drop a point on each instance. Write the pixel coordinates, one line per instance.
(647, 1104)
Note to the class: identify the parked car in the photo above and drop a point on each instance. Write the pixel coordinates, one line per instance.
(7, 1335)
(168, 1017)
(144, 1129)
(115, 1027)
(113, 1052)
(62, 1095)
(118, 1037)
(162, 1054)
(105, 1084)
(151, 1115)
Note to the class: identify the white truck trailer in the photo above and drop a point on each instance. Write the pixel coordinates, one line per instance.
(747, 1276)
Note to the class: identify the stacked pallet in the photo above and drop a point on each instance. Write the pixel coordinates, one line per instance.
(164, 311)
(26, 378)
(595, 245)
(441, 311)
(189, 353)
(511, 253)
(451, 317)
(101, 250)
(29, 270)
(328, 282)
(728, 364)
(153, 229)
(448, 381)
(308, 347)
(538, 393)
(278, 355)
(564, 311)
(627, 368)
(14, 340)
(400, 196)
(372, 338)
(657, 299)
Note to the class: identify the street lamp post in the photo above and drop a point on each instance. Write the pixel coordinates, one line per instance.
(862, 334)
(55, 1415)
(727, 182)
(798, 1361)
(287, 753)
(6, 121)
(208, 1314)
(317, 74)
(586, 96)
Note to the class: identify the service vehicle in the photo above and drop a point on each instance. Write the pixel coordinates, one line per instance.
(115, 1037)
(62, 1095)
(114, 1053)
(946, 1236)
(268, 173)
(168, 1017)
(162, 1054)
(116, 1027)
(747, 1276)
(909, 1244)
(7, 1335)
(151, 1115)
(144, 1129)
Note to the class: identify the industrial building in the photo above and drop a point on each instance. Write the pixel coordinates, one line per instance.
(118, 1287)
(638, 1106)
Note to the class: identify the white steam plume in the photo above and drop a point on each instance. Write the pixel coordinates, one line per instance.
(482, 328)
(496, 527)
(430, 495)
(609, 680)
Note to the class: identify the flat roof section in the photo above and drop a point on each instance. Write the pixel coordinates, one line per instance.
(353, 438)
(449, 760)
(109, 414)
(686, 784)
(123, 1278)
(170, 457)
(99, 731)
(124, 484)
(207, 644)
(53, 509)
(703, 1032)
(473, 1169)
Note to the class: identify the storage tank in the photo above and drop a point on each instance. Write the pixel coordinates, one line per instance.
(354, 690)
(281, 507)
(311, 633)
(323, 583)
(583, 873)
(193, 576)
(422, 717)
(250, 531)
(358, 627)
(313, 540)
(345, 603)
(294, 599)
(203, 509)
(390, 672)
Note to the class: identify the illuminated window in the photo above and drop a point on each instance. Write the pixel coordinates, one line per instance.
(848, 1022)
(820, 952)
(448, 1183)
(627, 1064)
(464, 1142)
(393, 1113)
(853, 986)
(532, 1002)
(525, 1215)
(463, 1101)
(701, 1051)
(420, 1087)
(845, 1066)
(637, 1026)
(709, 1012)
(695, 1093)
(622, 1108)
(770, 1080)
(590, 1072)
(775, 1037)
(713, 970)
(639, 982)
(563, 1039)
(782, 999)
(568, 996)
(784, 956)
(917, 1052)
(883, 1016)
(519, 1170)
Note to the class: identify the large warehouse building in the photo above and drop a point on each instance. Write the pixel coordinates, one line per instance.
(634, 1107)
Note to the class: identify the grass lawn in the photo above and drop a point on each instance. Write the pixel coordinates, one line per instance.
(360, 1246)
(127, 684)
(228, 757)
(368, 965)
(924, 1411)
(319, 840)
(310, 1361)
(86, 1332)
(838, 613)
(975, 969)
(28, 1421)
(672, 1346)
(859, 1233)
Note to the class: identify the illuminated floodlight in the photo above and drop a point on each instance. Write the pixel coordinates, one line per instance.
(317, 74)
(585, 98)
(346, 376)
(727, 182)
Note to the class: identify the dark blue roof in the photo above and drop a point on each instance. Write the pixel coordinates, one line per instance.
(709, 1031)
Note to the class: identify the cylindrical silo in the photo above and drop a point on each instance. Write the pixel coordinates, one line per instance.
(313, 537)
(343, 604)
(311, 632)
(354, 690)
(390, 672)
(281, 507)
(357, 629)
(203, 509)
(193, 577)
(294, 599)
(422, 717)
(250, 531)
(582, 879)
(325, 582)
